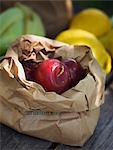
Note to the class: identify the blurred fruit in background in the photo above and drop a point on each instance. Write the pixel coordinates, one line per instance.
(111, 20)
(55, 14)
(11, 26)
(17, 21)
(82, 37)
(107, 41)
(92, 20)
(32, 21)
(105, 6)
(92, 27)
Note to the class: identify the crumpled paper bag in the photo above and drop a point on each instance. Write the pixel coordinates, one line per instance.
(69, 118)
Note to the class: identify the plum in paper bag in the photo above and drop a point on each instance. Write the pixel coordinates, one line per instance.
(73, 115)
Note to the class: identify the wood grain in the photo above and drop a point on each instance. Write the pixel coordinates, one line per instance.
(12, 140)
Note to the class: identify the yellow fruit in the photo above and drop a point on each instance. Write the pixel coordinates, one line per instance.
(107, 41)
(92, 20)
(81, 37)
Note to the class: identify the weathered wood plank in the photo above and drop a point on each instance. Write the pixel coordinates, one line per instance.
(102, 138)
(12, 140)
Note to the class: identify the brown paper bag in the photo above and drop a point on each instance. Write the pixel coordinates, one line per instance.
(69, 118)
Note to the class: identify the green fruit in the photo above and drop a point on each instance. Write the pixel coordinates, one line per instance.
(11, 27)
(8, 18)
(32, 22)
(10, 35)
(17, 21)
(34, 26)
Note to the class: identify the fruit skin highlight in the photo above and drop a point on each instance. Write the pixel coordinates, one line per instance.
(82, 37)
(53, 75)
(92, 20)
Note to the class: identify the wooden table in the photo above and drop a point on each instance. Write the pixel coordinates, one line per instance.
(102, 138)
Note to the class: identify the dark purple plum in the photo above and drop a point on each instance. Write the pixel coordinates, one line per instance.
(53, 75)
(76, 71)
